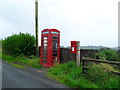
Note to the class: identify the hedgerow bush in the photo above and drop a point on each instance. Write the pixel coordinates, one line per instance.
(102, 76)
(107, 54)
(22, 44)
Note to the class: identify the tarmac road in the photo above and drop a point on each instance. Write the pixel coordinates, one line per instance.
(13, 77)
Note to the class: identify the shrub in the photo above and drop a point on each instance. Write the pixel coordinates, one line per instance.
(107, 54)
(101, 75)
(110, 54)
(100, 56)
(21, 44)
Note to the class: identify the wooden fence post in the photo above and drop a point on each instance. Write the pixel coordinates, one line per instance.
(83, 72)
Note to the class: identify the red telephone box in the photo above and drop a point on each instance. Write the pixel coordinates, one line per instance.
(50, 47)
(73, 48)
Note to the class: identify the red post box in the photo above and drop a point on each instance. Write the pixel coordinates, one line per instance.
(73, 48)
(50, 47)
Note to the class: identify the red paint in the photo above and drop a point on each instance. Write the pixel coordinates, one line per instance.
(73, 47)
(50, 47)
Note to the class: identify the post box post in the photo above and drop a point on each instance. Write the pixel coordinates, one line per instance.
(78, 53)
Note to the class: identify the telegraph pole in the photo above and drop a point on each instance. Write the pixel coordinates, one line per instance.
(36, 27)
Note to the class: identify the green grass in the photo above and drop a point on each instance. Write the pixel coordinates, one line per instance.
(19, 61)
(70, 75)
(16, 65)
(102, 76)
(0, 52)
(96, 77)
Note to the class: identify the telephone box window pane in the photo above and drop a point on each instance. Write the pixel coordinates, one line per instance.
(44, 57)
(45, 44)
(44, 54)
(44, 61)
(45, 41)
(45, 37)
(45, 32)
(44, 51)
(55, 37)
(54, 47)
(54, 44)
(54, 32)
(56, 41)
(45, 48)
(54, 51)
(54, 54)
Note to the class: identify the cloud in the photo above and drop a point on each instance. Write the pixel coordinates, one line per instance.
(93, 22)
(8, 1)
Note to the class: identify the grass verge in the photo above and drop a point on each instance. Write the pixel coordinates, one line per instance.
(20, 61)
(71, 75)
(16, 65)
(0, 53)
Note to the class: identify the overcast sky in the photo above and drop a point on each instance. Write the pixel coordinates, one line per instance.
(92, 22)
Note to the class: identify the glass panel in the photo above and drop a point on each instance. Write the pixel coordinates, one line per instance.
(44, 51)
(54, 32)
(54, 54)
(45, 48)
(54, 44)
(44, 57)
(55, 37)
(54, 47)
(56, 41)
(45, 38)
(44, 54)
(45, 44)
(44, 61)
(54, 51)
(45, 41)
(45, 32)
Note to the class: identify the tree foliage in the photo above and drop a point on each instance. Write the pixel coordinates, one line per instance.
(19, 44)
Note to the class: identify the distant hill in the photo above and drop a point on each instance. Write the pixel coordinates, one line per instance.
(116, 48)
(92, 47)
